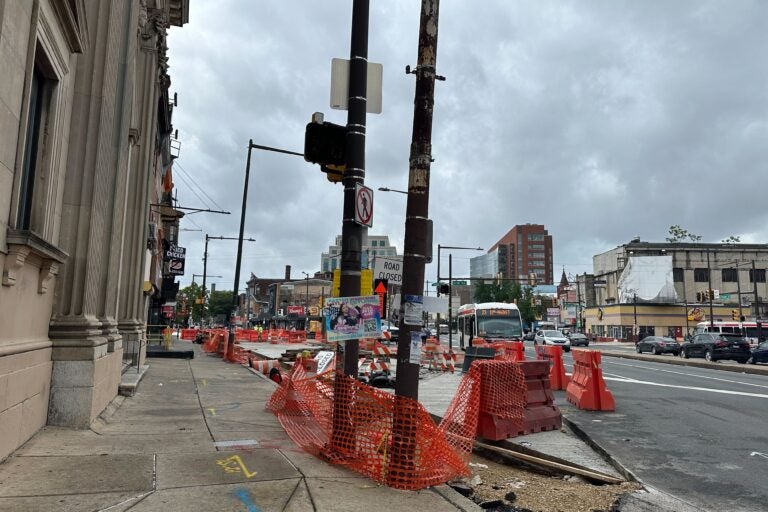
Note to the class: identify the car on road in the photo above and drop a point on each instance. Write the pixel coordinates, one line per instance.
(717, 346)
(658, 345)
(577, 339)
(552, 337)
(760, 353)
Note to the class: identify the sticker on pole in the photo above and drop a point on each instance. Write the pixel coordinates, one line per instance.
(415, 356)
(414, 308)
(363, 205)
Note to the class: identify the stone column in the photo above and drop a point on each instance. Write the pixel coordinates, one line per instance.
(86, 345)
(133, 303)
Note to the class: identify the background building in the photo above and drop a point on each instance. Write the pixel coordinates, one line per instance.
(658, 287)
(373, 245)
(526, 249)
(85, 211)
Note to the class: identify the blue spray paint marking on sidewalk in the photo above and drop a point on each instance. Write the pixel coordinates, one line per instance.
(242, 494)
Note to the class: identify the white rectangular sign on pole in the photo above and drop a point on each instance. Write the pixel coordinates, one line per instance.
(388, 268)
(340, 86)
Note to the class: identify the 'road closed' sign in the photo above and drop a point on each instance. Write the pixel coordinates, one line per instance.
(389, 268)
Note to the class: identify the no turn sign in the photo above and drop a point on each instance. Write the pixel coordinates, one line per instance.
(363, 205)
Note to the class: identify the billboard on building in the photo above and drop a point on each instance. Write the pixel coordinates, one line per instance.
(647, 279)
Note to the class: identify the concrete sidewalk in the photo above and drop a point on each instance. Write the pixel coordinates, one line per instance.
(195, 436)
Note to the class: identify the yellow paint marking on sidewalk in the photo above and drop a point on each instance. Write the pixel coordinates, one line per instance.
(204, 381)
(213, 411)
(235, 464)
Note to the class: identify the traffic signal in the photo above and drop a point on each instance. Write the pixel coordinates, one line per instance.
(325, 143)
(444, 289)
(735, 314)
(705, 294)
(334, 173)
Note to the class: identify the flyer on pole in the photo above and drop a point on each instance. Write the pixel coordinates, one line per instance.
(350, 318)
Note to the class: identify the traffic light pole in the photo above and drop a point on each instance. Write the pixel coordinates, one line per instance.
(351, 232)
(343, 438)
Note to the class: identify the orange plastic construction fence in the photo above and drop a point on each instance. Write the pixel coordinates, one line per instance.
(390, 439)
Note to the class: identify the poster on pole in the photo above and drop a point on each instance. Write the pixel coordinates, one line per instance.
(351, 318)
(414, 309)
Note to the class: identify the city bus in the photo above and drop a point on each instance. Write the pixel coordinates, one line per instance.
(490, 321)
(748, 329)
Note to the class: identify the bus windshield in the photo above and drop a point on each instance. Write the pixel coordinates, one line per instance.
(499, 323)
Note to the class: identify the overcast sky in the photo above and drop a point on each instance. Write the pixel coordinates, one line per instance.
(602, 120)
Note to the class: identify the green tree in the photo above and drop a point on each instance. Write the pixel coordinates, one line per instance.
(193, 294)
(678, 234)
(220, 303)
(731, 240)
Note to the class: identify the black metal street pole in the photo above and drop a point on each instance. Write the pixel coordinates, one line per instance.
(635, 327)
(758, 323)
(240, 244)
(417, 210)
(351, 232)
(450, 308)
(205, 271)
(343, 438)
(710, 293)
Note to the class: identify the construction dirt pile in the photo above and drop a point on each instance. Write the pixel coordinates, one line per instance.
(501, 487)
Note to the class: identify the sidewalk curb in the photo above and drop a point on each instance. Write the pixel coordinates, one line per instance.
(610, 459)
(130, 380)
(453, 497)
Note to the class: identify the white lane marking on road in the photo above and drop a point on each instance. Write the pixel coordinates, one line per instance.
(692, 388)
(686, 374)
(759, 454)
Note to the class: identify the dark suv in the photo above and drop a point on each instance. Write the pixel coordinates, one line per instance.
(714, 347)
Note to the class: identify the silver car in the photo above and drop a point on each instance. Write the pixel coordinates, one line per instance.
(552, 338)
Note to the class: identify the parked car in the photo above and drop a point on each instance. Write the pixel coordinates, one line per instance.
(717, 346)
(658, 345)
(760, 353)
(550, 337)
(577, 339)
(442, 329)
(529, 336)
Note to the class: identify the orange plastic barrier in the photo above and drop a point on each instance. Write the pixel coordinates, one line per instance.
(188, 334)
(390, 439)
(263, 365)
(587, 388)
(541, 413)
(502, 399)
(509, 350)
(211, 342)
(554, 354)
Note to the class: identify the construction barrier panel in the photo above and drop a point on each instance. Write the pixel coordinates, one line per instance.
(263, 365)
(587, 388)
(188, 334)
(390, 439)
(541, 413)
(502, 399)
(558, 379)
(509, 350)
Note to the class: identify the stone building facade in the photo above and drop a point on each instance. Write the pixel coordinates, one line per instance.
(84, 153)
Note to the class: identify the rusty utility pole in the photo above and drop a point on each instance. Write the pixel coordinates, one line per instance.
(403, 458)
(417, 228)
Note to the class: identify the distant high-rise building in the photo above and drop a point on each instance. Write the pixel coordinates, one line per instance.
(525, 250)
(373, 245)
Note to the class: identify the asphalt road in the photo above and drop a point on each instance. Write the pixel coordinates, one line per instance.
(698, 434)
